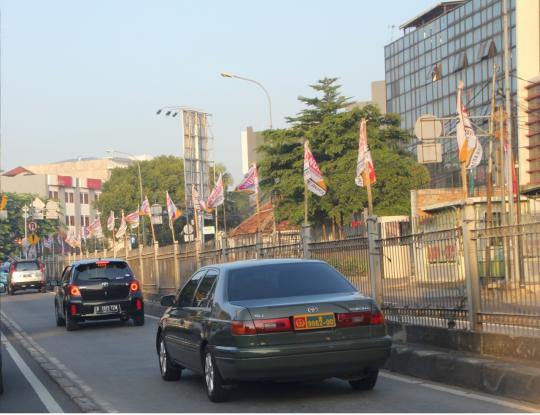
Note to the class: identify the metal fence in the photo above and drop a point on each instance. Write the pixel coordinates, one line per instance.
(445, 273)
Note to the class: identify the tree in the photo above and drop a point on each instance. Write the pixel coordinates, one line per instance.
(12, 229)
(333, 139)
(159, 175)
(320, 108)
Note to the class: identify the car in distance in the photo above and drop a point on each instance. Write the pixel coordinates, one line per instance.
(4, 272)
(271, 320)
(99, 289)
(26, 274)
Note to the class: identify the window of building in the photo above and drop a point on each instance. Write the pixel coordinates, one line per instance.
(460, 62)
(53, 195)
(84, 198)
(436, 74)
(69, 197)
(85, 220)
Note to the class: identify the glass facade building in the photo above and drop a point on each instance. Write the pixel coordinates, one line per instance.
(437, 50)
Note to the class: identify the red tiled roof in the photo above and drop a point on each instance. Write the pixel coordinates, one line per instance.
(266, 218)
(17, 171)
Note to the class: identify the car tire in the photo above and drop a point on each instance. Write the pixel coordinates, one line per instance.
(10, 290)
(168, 370)
(138, 319)
(366, 383)
(43, 290)
(59, 320)
(71, 324)
(213, 380)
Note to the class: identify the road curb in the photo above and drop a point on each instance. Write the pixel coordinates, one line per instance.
(79, 392)
(508, 379)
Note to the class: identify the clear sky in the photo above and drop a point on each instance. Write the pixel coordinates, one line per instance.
(80, 77)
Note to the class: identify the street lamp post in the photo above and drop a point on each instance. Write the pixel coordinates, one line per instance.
(230, 75)
(132, 157)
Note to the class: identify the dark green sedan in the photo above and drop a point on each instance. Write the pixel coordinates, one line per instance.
(271, 320)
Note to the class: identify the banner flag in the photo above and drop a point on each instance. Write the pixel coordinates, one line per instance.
(145, 208)
(217, 196)
(172, 211)
(110, 221)
(470, 149)
(250, 182)
(364, 158)
(122, 228)
(312, 174)
(133, 219)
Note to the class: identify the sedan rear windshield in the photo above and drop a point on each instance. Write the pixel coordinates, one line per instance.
(27, 266)
(285, 280)
(103, 271)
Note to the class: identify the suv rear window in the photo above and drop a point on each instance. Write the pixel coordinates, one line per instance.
(27, 266)
(103, 271)
(285, 280)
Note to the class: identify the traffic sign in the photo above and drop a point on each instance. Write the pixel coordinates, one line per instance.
(32, 226)
(33, 239)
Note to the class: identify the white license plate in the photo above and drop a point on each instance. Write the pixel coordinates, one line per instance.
(106, 309)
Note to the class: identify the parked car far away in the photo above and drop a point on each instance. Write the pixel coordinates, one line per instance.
(271, 320)
(100, 289)
(25, 275)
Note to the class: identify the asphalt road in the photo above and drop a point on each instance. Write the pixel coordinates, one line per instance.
(118, 362)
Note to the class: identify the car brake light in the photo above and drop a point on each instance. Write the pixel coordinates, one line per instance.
(242, 327)
(41, 267)
(353, 319)
(377, 317)
(12, 268)
(134, 286)
(138, 304)
(102, 264)
(73, 309)
(74, 291)
(273, 325)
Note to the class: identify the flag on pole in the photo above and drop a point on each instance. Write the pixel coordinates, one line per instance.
(312, 174)
(110, 221)
(145, 208)
(364, 158)
(133, 219)
(122, 228)
(250, 182)
(198, 203)
(217, 197)
(172, 211)
(94, 229)
(470, 149)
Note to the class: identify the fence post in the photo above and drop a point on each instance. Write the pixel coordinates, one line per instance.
(471, 266)
(176, 258)
(258, 246)
(156, 266)
(375, 265)
(224, 250)
(306, 240)
(198, 253)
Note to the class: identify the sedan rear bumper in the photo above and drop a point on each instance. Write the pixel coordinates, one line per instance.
(347, 359)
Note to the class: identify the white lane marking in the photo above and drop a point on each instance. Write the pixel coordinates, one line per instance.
(42, 393)
(454, 391)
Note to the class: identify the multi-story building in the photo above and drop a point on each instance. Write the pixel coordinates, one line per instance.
(461, 41)
(250, 141)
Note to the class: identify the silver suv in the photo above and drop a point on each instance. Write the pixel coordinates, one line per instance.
(26, 274)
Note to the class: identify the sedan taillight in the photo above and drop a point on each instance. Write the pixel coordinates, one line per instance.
(243, 327)
(273, 325)
(377, 317)
(353, 319)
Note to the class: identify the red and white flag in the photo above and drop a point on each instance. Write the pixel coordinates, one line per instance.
(365, 162)
(470, 149)
(133, 219)
(217, 196)
(198, 202)
(145, 208)
(94, 228)
(172, 211)
(110, 221)
(122, 228)
(250, 182)
(312, 174)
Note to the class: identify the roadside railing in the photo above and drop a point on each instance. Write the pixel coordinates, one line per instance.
(445, 273)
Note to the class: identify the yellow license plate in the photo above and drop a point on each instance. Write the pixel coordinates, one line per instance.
(314, 321)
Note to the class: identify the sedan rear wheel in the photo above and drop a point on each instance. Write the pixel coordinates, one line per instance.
(366, 383)
(168, 371)
(214, 383)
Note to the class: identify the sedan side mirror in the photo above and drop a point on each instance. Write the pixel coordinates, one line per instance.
(167, 300)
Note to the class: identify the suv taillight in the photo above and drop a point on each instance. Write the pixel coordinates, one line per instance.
(74, 291)
(134, 286)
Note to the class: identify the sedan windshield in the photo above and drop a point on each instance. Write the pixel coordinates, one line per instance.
(103, 271)
(285, 280)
